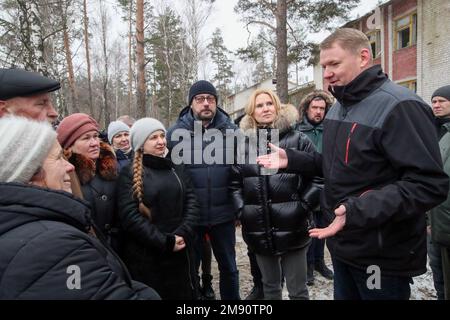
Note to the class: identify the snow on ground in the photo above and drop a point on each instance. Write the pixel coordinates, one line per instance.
(422, 289)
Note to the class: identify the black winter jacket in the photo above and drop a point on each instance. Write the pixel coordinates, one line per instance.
(123, 159)
(210, 180)
(381, 160)
(98, 185)
(148, 245)
(275, 209)
(43, 237)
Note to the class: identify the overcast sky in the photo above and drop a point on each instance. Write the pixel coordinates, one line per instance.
(235, 34)
(233, 30)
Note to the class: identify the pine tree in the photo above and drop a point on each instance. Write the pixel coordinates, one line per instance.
(223, 66)
(169, 50)
(282, 15)
(259, 52)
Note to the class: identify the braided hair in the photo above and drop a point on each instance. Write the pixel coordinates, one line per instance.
(138, 184)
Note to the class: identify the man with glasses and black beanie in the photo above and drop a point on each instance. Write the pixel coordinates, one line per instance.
(210, 180)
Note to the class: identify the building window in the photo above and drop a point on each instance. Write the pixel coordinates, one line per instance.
(375, 43)
(411, 85)
(406, 31)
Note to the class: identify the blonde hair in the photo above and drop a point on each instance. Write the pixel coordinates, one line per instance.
(251, 105)
(138, 184)
(349, 39)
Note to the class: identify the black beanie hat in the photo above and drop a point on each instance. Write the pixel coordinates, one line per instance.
(199, 87)
(442, 92)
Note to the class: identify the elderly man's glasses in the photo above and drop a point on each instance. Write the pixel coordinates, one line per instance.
(201, 99)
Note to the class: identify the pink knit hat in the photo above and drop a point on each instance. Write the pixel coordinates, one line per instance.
(73, 127)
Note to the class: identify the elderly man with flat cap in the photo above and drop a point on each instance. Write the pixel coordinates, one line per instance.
(26, 94)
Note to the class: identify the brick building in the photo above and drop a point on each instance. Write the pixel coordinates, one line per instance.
(411, 41)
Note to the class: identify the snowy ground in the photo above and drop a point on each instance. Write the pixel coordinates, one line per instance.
(422, 289)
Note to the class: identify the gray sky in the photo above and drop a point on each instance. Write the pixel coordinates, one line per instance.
(234, 32)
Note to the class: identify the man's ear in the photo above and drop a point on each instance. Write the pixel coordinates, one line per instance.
(366, 58)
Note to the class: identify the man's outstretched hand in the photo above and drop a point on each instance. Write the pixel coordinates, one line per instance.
(275, 160)
(336, 226)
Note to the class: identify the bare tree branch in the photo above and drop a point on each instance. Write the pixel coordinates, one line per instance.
(262, 23)
(293, 33)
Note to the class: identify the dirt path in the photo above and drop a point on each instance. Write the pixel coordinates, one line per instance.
(422, 289)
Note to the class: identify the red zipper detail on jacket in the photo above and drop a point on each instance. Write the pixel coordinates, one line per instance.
(348, 142)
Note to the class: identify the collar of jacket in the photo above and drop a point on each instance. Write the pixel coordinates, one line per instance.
(120, 155)
(359, 88)
(446, 125)
(106, 165)
(45, 204)
(155, 162)
(220, 121)
(307, 125)
(442, 122)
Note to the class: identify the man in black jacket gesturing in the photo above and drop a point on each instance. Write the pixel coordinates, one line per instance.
(382, 171)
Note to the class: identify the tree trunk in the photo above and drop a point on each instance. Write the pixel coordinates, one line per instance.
(140, 59)
(88, 60)
(282, 63)
(31, 37)
(68, 54)
(168, 62)
(72, 85)
(104, 27)
(130, 59)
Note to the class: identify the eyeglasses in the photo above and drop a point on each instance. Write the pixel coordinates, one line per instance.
(201, 99)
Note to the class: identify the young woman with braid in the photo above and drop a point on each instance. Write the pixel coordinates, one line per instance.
(158, 213)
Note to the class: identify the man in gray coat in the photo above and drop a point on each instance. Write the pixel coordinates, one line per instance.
(439, 231)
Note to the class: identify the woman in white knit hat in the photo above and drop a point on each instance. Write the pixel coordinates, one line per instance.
(48, 247)
(119, 139)
(158, 212)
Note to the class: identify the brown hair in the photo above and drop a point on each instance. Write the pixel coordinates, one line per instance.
(349, 39)
(74, 181)
(251, 105)
(138, 184)
(315, 95)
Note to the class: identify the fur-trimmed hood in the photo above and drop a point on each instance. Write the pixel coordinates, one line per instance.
(286, 119)
(106, 165)
(306, 101)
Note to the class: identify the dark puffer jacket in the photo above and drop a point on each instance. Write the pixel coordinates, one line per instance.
(98, 185)
(42, 234)
(148, 247)
(123, 159)
(210, 180)
(276, 209)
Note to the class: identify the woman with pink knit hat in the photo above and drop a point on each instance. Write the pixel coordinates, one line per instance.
(96, 168)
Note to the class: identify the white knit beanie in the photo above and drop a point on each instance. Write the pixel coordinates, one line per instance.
(142, 129)
(115, 127)
(24, 145)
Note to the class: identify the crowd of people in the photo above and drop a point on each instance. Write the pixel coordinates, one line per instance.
(137, 213)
